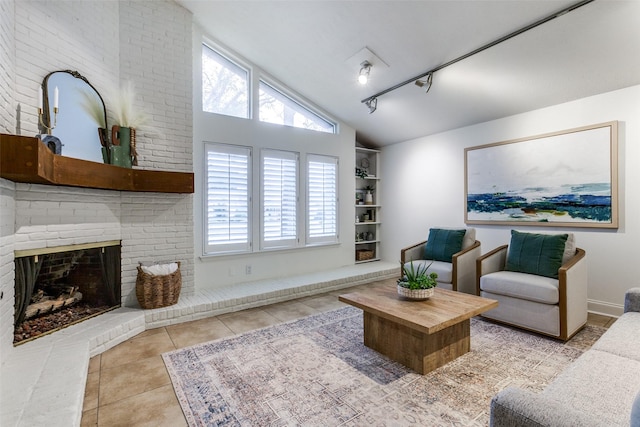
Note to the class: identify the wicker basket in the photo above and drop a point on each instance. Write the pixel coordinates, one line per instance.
(158, 291)
(364, 254)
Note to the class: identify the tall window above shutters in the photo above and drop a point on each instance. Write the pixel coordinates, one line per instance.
(225, 85)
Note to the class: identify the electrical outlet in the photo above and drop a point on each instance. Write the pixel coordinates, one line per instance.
(247, 269)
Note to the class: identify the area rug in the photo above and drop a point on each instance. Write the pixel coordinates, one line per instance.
(316, 372)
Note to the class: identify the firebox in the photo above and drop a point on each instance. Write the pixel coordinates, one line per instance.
(58, 287)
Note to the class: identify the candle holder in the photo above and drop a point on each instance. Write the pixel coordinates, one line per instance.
(55, 120)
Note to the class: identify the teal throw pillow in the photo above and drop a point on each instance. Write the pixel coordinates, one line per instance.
(539, 254)
(442, 244)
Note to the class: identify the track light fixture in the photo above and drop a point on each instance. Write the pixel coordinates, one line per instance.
(372, 104)
(365, 69)
(372, 101)
(425, 84)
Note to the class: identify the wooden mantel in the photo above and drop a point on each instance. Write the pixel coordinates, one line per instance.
(26, 159)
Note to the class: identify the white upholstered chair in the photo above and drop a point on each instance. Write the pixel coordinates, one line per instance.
(536, 290)
(453, 260)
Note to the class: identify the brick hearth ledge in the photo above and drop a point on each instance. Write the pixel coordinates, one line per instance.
(43, 382)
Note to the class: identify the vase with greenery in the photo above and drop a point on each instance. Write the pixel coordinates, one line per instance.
(368, 197)
(127, 120)
(416, 282)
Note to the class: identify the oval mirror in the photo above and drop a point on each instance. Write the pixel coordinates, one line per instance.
(81, 117)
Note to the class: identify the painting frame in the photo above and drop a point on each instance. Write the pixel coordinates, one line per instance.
(567, 178)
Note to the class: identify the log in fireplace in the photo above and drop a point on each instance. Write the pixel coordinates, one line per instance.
(58, 287)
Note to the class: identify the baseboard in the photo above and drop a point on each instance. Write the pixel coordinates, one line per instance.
(605, 308)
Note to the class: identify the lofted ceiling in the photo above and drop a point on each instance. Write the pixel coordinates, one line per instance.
(311, 47)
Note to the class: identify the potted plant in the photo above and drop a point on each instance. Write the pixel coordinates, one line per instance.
(416, 283)
(368, 197)
(361, 173)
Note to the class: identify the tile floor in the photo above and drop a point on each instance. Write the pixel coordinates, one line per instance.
(128, 385)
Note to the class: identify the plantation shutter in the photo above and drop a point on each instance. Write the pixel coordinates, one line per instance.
(227, 199)
(322, 199)
(279, 199)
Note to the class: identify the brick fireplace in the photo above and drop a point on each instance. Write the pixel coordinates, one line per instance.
(43, 218)
(58, 287)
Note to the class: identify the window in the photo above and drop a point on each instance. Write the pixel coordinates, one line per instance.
(225, 85)
(322, 199)
(276, 107)
(228, 189)
(279, 199)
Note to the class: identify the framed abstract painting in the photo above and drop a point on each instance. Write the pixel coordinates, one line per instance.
(567, 178)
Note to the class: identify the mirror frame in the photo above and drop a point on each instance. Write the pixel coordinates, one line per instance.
(46, 118)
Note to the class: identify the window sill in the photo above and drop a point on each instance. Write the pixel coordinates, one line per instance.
(205, 257)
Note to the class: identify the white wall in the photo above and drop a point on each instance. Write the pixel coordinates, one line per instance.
(217, 271)
(424, 187)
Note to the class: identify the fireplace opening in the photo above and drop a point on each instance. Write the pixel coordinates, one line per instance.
(64, 286)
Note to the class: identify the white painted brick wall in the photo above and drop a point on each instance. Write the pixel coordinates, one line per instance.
(156, 57)
(52, 216)
(61, 35)
(156, 228)
(7, 220)
(8, 105)
(108, 42)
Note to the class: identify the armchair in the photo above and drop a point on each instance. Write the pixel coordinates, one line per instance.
(540, 282)
(451, 254)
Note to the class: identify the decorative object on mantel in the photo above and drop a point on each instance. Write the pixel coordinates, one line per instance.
(42, 117)
(52, 142)
(84, 114)
(123, 134)
(158, 285)
(415, 283)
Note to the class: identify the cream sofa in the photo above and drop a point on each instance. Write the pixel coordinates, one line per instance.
(598, 389)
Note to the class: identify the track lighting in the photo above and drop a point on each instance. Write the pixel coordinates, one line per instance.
(372, 104)
(372, 101)
(365, 69)
(425, 84)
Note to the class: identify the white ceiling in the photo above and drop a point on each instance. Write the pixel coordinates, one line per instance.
(309, 45)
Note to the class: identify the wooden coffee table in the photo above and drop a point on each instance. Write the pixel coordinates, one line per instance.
(422, 335)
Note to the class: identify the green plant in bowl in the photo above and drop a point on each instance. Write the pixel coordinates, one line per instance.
(417, 277)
